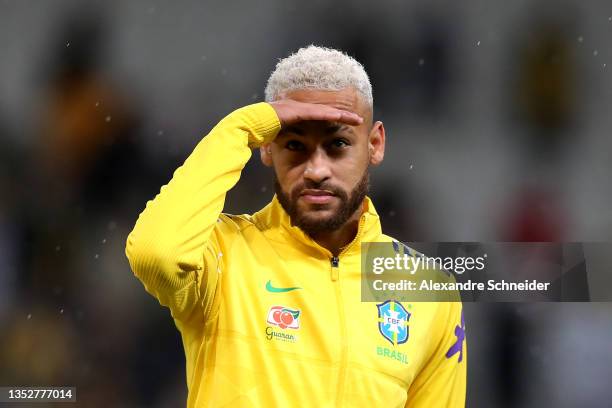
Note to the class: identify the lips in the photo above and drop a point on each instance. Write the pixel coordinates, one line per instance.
(315, 192)
(314, 196)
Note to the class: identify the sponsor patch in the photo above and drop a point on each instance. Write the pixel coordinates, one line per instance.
(284, 317)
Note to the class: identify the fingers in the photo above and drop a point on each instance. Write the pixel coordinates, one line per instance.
(331, 114)
(350, 118)
(290, 112)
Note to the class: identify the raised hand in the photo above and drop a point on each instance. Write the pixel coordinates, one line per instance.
(290, 111)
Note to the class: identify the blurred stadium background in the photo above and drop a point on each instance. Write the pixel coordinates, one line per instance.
(499, 129)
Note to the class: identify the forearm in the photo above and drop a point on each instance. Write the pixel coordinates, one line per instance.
(166, 245)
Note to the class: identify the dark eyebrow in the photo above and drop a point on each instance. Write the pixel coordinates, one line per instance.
(334, 127)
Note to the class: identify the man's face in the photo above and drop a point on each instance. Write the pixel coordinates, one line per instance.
(322, 167)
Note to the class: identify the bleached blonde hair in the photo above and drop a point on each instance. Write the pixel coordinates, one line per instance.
(322, 68)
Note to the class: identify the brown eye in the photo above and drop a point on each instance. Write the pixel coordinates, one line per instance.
(295, 145)
(339, 143)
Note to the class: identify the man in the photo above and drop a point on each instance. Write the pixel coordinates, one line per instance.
(268, 305)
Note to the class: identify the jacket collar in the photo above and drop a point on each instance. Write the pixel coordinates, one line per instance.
(274, 217)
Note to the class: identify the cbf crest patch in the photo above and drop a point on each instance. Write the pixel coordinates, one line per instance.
(393, 322)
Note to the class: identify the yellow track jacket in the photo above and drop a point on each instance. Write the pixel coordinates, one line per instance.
(269, 318)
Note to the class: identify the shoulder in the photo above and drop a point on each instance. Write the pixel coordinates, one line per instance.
(425, 266)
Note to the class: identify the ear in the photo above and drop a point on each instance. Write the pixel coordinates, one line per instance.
(265, 152)
(376, 143)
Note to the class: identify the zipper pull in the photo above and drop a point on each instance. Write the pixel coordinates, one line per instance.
(335, 261)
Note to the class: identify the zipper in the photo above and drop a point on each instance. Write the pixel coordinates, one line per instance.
(335, 276)
(335, 261)
(335, 265)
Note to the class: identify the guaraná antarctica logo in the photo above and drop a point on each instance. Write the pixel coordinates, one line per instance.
(284, 318)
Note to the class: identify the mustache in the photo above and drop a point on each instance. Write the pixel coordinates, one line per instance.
(311, 185)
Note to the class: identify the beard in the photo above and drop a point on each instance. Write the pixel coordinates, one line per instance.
(349, 203)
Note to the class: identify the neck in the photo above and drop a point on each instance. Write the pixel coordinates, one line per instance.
(335, 240)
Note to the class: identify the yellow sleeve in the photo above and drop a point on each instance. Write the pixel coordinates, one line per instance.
(172, 245)
(442, 381)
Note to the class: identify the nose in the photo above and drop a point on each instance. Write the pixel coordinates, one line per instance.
(317, 167)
